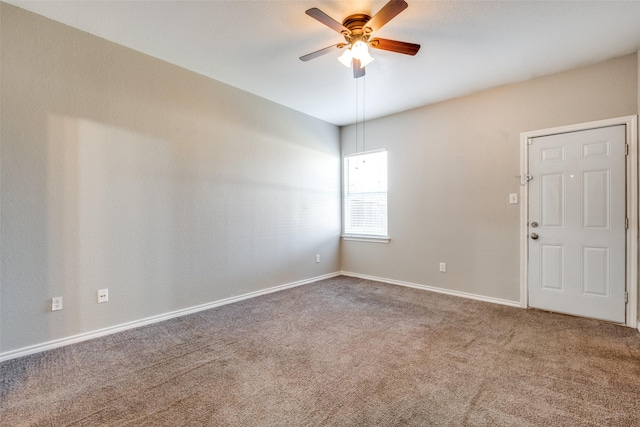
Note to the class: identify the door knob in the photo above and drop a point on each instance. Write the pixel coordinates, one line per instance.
(534, 236)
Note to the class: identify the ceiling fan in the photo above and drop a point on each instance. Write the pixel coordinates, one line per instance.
(357, 30)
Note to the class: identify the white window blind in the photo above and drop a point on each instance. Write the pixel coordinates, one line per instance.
(365, 194)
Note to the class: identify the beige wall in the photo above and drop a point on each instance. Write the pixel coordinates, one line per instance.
(452, 166)
(121, 171)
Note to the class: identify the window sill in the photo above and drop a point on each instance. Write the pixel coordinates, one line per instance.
(373, 239)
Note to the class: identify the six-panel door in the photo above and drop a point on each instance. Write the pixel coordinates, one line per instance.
(577, 210)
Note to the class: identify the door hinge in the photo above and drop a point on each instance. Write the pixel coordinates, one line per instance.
(626, 223)
(626, 297)
(626, 149)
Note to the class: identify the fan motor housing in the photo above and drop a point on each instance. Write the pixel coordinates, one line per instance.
(355, 23)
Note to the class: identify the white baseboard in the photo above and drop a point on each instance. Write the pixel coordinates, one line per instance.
(434, 289)
(50, 345)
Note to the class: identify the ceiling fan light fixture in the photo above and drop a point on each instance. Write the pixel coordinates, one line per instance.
(366, 59)
(361, 52)
(346, 57)
(359, 48)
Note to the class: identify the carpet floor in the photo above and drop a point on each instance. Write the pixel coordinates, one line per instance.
(340, 352)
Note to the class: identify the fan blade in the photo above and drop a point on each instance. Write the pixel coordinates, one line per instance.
(358, 71)
(319, 15)
(395, 46)
(386, 14)
(321, 52)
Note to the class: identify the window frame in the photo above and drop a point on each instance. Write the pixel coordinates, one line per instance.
(363, 237)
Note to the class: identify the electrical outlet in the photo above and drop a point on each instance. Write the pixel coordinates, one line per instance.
(318, 258)
(443, 267)
(103, 295)
(56, 303)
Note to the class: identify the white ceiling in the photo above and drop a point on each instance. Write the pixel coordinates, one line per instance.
(466, 45)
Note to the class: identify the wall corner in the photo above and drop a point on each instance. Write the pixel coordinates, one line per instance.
(638, 136)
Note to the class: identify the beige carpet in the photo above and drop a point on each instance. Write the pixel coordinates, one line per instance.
(341, 352)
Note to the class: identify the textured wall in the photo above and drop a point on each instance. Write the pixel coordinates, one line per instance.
(452, 166)
(121, 171)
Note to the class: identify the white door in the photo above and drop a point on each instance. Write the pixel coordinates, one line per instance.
(577, 223)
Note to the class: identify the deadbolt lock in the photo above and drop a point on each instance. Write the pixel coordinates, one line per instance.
(534, 224)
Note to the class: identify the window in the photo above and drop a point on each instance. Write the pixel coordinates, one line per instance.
(365, 195)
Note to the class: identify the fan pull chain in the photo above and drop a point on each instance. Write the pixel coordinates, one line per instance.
(364, 123)
(357, 104)
(360, 121)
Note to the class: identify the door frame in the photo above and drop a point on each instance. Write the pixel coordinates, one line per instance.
(631, 123)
